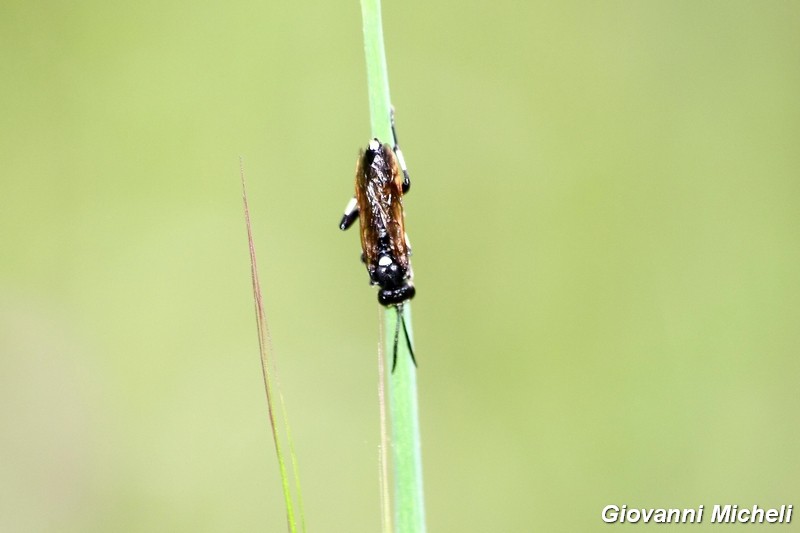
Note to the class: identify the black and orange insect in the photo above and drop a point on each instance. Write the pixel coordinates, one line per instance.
(381, 181)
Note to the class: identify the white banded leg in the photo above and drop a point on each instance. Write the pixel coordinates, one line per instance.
(399, 154)
(350, 214)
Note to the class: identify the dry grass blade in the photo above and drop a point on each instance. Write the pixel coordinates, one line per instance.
(265, 348)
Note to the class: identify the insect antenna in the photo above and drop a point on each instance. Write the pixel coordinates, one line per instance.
(401, 320)
(397, 335)
(408, 339)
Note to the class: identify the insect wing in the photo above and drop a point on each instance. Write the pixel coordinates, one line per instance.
(379, 194)
(369, 230)
(396, 221)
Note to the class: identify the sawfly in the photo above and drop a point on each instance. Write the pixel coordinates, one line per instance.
(381, 181)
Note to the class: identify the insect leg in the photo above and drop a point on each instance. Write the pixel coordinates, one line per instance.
(350, 214)
(399, 154)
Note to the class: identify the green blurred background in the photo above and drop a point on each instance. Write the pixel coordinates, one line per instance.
(605, 225)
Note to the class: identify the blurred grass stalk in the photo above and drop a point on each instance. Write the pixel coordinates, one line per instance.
(408, 501)
(271, 385)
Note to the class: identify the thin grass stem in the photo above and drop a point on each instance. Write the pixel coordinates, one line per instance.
(408, 501)
(265, 351)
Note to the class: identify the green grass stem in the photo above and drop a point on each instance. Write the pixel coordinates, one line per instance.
(408, 500)
(409, 503)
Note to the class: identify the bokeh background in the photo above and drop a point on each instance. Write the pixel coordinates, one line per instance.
(605, 225)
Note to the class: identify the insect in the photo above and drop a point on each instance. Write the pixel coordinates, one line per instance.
(381, 181)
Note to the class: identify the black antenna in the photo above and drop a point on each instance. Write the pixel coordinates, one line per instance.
(396, 336)
(408, 340)
(401, 319)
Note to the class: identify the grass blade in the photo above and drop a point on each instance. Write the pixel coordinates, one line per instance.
(265, 349)
(409, 509)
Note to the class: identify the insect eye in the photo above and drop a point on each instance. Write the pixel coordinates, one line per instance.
(396, 296)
